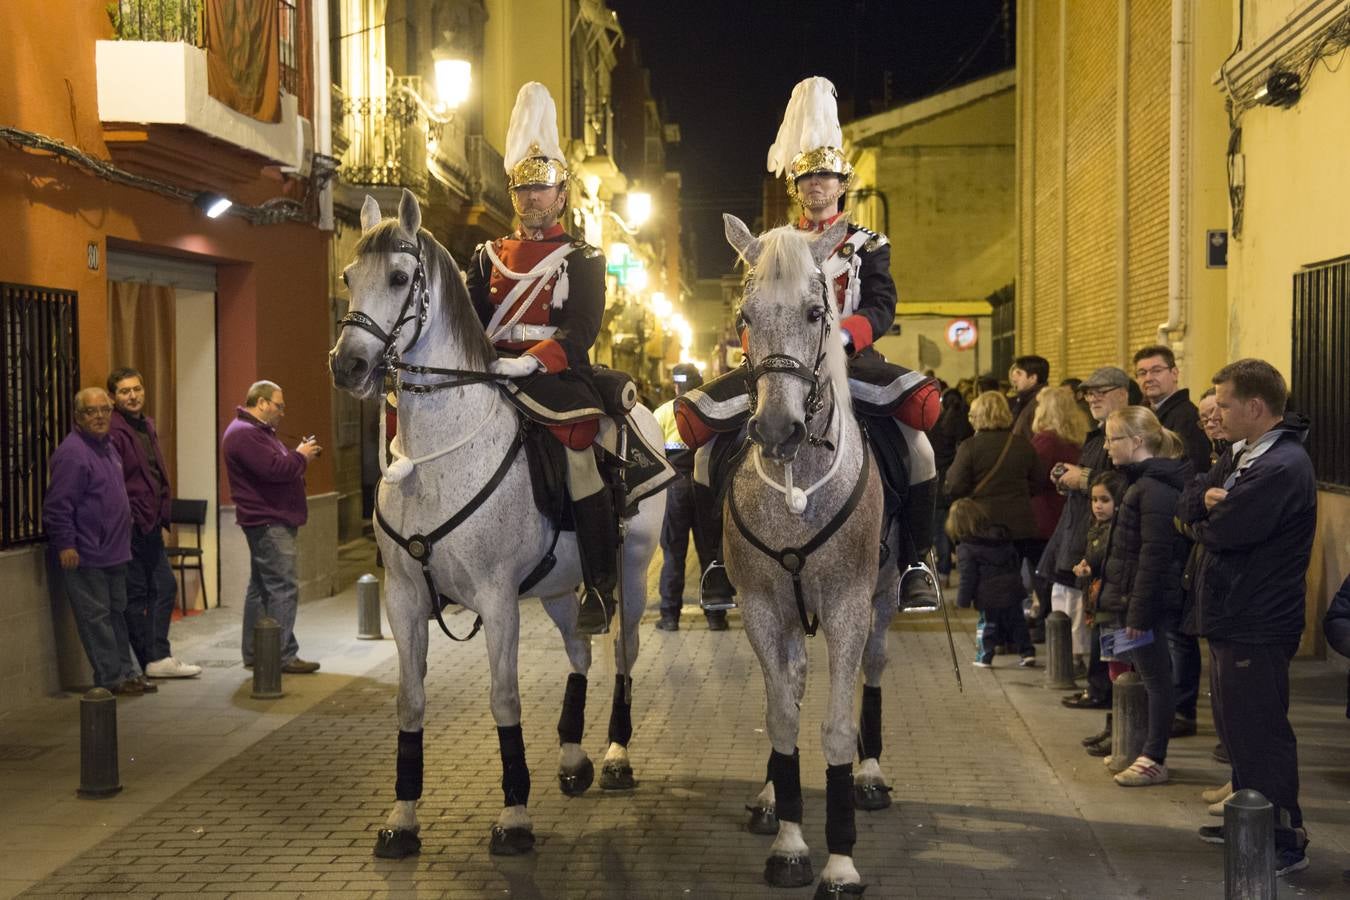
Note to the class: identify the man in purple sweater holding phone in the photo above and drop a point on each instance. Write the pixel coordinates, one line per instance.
(267, 481)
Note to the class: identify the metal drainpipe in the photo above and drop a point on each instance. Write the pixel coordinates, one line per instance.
(1123, 181)
(323, 104)
(1173, 331)
(1026, 299)
(1064, 184)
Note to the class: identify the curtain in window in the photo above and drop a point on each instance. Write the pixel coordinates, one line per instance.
(141, 335)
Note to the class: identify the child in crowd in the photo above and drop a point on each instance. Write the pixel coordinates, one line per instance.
(1107, 490)
(990, 570)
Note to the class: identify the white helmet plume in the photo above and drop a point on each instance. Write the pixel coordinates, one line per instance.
(811, 121)
(534, 127)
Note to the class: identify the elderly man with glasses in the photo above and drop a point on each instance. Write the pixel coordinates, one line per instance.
(1155, 367)
(88, 521)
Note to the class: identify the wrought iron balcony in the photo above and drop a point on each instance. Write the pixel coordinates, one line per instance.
(386, 141)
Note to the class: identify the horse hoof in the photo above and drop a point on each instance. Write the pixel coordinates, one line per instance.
(838, 889)
(574, 784)
(788, 871)
(871, 797)
(763, 820)
(397, 843)
(617, 777)
(510, 841)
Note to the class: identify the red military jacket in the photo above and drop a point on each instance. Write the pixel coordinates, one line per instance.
(860, 268)
(541, 297)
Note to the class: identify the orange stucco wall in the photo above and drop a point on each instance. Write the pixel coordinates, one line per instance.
(272, 308)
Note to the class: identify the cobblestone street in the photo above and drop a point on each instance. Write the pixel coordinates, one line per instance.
(993, 795)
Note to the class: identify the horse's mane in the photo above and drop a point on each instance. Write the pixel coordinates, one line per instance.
(444, 281)
(785, 260)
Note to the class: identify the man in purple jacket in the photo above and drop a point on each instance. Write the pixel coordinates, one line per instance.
(88, 523)
(268, 484)
(150, 583)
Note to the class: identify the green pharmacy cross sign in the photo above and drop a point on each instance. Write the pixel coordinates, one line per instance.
(621, 264)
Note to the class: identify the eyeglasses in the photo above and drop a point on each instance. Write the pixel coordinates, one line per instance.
(130, 390)
(1156, 370)
(277, 404)
(1099, 393)
(95, 410)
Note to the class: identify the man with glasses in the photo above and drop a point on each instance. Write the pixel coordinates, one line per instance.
(150, 583)
(1107, 390)
(1155, 368)
(88, 521)
(267, 481)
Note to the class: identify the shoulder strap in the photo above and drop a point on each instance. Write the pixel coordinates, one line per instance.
(1003, 454)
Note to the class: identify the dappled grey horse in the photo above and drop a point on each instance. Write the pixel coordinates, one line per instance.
(456, 516)
(804, 507)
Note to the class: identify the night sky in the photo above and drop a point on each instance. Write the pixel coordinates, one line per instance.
(723, 71)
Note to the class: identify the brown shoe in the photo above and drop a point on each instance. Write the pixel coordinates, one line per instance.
(147, 686)
(300, 666)
(129, 688)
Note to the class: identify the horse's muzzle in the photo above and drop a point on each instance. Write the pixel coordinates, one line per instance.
(778, 441)
(351, 372)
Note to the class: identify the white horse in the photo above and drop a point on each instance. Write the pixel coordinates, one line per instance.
(457, 434)
(804, 508)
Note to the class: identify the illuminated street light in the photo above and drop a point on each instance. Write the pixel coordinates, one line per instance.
(661, 307)
(639, 208)
(637, 275)
(452, 82)
(618, 253)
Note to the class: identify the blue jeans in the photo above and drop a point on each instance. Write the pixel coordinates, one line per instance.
(1185, 649)
(1153, 662)
(98, 599)
(272, 587)
(1002, 626)
(151, 591)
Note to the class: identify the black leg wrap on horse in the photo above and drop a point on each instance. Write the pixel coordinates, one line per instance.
(869, 724)
(786, 774)
(572, 722)
(515, 774)
(840, 832)
(620, 716)
(920, 510)
(408, 786)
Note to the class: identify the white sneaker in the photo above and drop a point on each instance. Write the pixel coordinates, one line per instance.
(1218, 794)
(1216, 809)
(1142, 773)
(168, 667)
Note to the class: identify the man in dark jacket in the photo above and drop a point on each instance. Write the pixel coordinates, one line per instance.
(1029, 376)
(1257, 526)
(1156, 369)
(1106, 390)
(150, 584)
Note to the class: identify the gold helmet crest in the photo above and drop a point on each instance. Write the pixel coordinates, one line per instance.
(810, 140)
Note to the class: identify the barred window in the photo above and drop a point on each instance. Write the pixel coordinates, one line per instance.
(39, 355)
(1321, 367)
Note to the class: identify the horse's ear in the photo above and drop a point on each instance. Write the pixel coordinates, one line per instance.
(740, 237)
(370, 214)
(824, 245)
(409, 213)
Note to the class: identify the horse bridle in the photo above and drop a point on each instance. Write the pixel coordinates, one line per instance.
(786, 364)
(416, 308)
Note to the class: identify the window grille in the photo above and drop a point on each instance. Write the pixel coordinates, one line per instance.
(1321, 367)
(39, 355)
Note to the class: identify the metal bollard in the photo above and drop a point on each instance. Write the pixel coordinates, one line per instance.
(368, 608)
(1059, 652)
(1129, 721)
(1248, 847)
(266, 659)
(98, 745)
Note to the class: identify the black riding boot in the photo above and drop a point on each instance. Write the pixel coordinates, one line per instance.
(918, 584)
(715, 590)
(597, 542)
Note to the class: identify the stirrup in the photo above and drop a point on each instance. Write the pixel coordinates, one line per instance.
(593, 624)
(924, 602)
(715, 589)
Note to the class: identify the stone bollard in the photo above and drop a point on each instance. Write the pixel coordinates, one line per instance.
(1129, 721)
(368, 608)
(266, 659)
(98, 745)
(1248, 847)
(1059, 652)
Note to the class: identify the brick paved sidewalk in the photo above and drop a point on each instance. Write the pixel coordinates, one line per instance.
(993, 796)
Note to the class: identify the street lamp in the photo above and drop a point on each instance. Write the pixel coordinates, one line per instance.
(638, 208)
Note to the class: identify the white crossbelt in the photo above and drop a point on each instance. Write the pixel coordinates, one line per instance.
(541, 273)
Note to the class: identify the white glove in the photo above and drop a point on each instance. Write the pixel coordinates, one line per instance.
(846, 339)
(514, 368)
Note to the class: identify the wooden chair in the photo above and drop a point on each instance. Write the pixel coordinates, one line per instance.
(184, 558)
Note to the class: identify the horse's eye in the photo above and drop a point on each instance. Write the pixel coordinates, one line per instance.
(345, 281)
(398, 279)
(815, 314)
(745, 320)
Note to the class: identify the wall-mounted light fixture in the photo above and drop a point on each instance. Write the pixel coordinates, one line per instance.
(1281, 89)
(214, 205)
(453, 79)
(638, 208)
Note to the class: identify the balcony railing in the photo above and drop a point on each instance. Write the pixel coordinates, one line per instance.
(387, 141)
